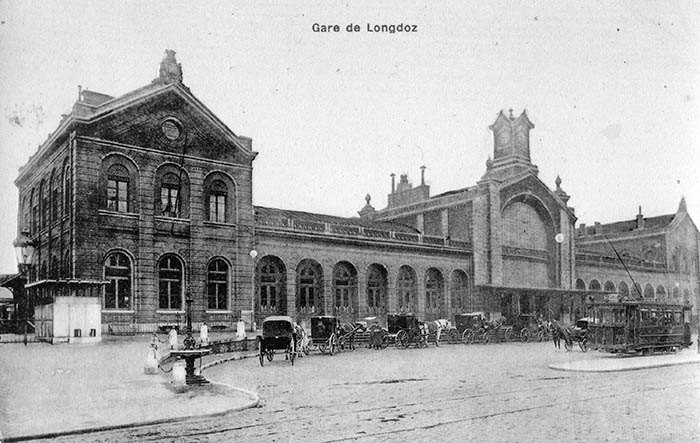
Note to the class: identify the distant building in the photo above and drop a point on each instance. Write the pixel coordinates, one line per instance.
(143, 199)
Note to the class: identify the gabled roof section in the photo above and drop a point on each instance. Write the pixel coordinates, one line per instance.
(93, 106)
(528, 175)
(300, 216)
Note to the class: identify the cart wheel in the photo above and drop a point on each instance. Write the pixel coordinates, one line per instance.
(468, 337)
(384, 342)
(402, 339)
(508, 334)
(332, 343)
(306, 349)
(524, 335)
(568, 345)
(453, 336)
(540, 336)
(270, 355)
(485, 338)
(583, 344)
(322, 347)
(261, 354)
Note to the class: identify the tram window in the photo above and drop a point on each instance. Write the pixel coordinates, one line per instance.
(619, 316)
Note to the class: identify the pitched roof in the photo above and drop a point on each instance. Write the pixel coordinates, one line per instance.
(658, 222)
(261, 211)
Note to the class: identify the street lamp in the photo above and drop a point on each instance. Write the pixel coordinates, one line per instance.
(24, 249)
(253, 254)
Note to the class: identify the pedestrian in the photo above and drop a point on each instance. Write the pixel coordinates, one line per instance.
(155, 344)
(204, 334)
(556, 338)
(172, 338)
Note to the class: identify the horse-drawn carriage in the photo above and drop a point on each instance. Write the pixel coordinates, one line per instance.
(324, 333)
(406, 330)
(524, 327)
(278, 334)
(472, 326)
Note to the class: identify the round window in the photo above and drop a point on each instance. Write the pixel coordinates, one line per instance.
(171, 130)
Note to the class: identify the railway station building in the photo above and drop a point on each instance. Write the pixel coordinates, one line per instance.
(142, 200)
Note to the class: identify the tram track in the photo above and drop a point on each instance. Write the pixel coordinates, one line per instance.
(408, 409)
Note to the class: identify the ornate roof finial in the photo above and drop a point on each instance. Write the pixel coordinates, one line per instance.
(682, 206)
(170, 70)
(510, 112)
(368, 198)
(558, 182)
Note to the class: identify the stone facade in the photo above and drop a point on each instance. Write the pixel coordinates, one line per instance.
(155, 206)
(148, 198)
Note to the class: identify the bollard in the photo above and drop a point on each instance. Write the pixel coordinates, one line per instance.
(240, 330)
(179, 380)
(151, 366)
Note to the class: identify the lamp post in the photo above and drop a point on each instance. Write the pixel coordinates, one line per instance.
(253, 254)
(24, 250)
(189, 342)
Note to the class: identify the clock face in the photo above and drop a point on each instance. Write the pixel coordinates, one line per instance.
(171, 130)
(503, 138)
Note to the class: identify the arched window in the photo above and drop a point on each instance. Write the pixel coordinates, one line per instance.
(117, 294)
(66, 264)
(459, 292)
(44, 193)
(344, 287)
(271, 283)
(594, 285)
(34, 202)
(376, 289)
(217, 285)
(433, 293)
(53, 268)
(216, 198)
(170, 195)
(580, 284)
(676, 292)
(118, 188)
(609, 286)
(53, 197)
(309, 298)
(648, 291)
(66, 190)
(637, 290)
(686, 296)
(406, 289)
(624, 289)
(661, 292)
(170, 286)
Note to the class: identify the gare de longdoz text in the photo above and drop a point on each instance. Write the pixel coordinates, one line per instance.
(351, 27)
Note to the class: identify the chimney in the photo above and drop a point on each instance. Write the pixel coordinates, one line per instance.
(640, 219)
(597, 229)
(393, 182)
(582, 229)
(422, 175)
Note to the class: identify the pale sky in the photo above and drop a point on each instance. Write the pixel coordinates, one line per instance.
(613, 91)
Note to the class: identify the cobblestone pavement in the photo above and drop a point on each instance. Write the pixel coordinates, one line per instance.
(497, 392)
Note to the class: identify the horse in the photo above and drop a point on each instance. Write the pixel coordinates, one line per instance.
(436, 327)
(303, 342)
(559, 332)
(346, 334)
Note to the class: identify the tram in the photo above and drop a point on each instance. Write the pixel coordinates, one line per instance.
(633, 326)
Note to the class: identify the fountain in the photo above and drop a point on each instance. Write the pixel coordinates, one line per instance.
(190, 354)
